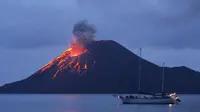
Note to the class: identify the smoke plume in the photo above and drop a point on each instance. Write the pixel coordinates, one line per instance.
(83, 33)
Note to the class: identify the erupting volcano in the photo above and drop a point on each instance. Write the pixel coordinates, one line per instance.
(83, 34)
(90, 66)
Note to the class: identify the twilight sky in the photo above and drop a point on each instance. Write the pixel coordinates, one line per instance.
(33, 32)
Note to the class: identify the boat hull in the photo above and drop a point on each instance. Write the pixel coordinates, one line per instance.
(147, 101)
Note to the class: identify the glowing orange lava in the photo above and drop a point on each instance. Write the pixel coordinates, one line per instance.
(68, 59)
(76, 50)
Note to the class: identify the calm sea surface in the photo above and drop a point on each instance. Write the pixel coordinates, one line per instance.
(88, 103)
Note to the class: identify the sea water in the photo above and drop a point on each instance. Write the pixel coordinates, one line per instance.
(88, 103)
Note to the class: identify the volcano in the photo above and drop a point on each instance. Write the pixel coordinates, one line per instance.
(103, 67)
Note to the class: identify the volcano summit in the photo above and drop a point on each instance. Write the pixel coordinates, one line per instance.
(83, 34)
(90, 66)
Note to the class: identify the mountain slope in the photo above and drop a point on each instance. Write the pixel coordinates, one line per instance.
(111, 68)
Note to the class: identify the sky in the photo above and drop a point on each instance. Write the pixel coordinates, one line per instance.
(33, 32)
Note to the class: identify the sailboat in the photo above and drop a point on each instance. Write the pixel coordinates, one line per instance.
(149, 98)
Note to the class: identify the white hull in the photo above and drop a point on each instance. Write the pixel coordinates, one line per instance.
(147, 101)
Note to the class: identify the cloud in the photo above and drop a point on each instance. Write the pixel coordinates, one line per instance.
(136, 23)
(28, 24)
(158, 23)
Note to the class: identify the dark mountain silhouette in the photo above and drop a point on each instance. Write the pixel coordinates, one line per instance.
(115, 71)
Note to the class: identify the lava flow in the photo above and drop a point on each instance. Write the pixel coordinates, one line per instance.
(83, 34)
(69, 59)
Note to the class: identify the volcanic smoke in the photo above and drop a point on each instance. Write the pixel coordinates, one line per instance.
(82, 34)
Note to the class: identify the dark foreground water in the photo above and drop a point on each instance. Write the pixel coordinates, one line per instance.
(88, 103)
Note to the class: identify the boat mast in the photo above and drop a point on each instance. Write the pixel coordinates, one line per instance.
(163, 76)
(139, 77)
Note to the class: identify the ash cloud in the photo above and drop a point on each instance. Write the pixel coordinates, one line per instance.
(137, 23)
(83, 32)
